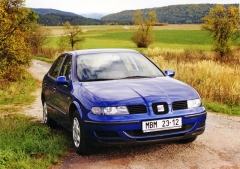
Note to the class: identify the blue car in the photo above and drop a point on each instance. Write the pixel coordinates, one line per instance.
(119, 97)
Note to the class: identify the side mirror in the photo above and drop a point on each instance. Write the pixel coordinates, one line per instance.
(170, 73)
(62, 80)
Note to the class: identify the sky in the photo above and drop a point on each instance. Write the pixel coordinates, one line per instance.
(113, 6)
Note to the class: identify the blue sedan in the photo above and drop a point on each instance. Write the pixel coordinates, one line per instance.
(119, 97)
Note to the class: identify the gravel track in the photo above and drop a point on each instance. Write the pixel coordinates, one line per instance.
(217, 147)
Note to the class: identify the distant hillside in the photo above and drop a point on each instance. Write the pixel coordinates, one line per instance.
(44, 11)
(175, 14)
(53, 17)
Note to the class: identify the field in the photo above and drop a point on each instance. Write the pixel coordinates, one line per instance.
(173, 36)
(184, 48)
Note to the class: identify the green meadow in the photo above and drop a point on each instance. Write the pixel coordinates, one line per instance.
(172, 36)
(175, 37)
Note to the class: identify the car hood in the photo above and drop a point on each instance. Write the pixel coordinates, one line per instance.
(137, 91)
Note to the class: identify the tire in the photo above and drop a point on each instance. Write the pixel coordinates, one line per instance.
(188, 140)
(46, 119)
(79, 141)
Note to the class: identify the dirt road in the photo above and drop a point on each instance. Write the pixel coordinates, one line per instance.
(218, 147)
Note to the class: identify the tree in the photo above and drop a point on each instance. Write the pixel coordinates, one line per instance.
(222, 24)
(37, 37)
(144, 37)
(14, 49)
(72, 35)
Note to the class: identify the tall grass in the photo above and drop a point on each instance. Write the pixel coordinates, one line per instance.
(216, 80)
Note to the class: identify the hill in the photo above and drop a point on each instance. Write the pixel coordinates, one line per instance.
(175, 14)
(53, 17)
(44, 11)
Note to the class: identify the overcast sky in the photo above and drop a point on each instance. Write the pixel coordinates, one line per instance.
(113, 6)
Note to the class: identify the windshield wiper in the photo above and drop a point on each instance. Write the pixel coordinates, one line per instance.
(137, 77)
(92, 80)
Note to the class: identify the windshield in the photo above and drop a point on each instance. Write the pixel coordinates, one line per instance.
(109, 66)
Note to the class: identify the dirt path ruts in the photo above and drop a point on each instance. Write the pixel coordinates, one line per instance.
(218, 147)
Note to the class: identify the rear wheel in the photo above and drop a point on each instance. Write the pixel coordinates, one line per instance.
(188, 140)
(78, 135)
(46, 119)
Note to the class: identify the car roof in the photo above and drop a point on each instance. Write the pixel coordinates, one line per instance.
(106, 50)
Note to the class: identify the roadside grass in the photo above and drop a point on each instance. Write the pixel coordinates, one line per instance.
(17, 94)
(26, 143)
(222, 108)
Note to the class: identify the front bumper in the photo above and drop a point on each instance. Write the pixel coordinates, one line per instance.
(130, 132)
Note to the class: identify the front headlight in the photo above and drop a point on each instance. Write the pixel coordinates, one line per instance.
(110, 110)
(194, 103)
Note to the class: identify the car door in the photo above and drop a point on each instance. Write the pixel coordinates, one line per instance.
(63, 92)
(49, 87)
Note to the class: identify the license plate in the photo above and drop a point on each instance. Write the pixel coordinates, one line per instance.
(163, 124)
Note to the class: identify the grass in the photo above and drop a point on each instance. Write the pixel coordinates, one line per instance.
(173, 36)
(17, 94)
(29, 144)
(222, 108)
(25, 142)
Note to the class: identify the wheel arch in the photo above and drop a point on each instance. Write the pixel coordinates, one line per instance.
(74, 106)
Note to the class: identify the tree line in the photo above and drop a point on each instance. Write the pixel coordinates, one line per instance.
(55, 19)
(175, 14)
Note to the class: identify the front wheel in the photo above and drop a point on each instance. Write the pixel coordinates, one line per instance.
(78, 135)
(46, 119)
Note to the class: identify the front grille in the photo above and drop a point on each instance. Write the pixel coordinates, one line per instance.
(157, 111)
(179, 105)
(137, 109)
(140, 133)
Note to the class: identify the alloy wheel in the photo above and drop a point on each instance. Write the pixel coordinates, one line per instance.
(76, 132)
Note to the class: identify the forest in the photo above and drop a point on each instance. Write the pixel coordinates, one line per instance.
(55, 19)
